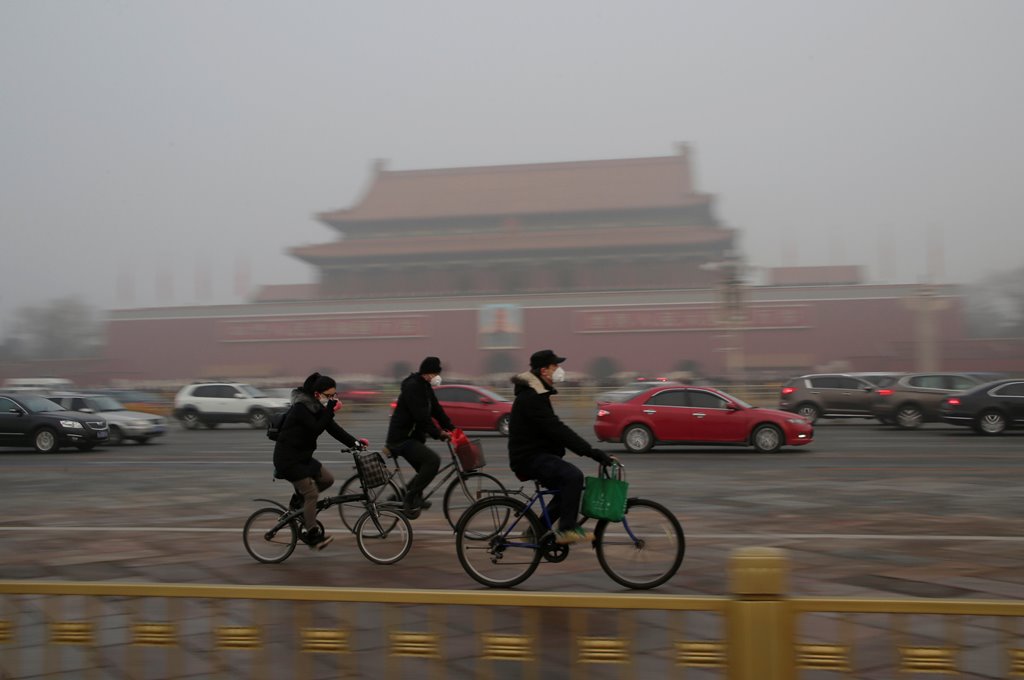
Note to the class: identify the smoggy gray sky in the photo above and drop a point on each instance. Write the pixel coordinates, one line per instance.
(147, 140)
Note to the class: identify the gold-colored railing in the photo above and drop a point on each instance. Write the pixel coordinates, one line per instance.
(138, 630)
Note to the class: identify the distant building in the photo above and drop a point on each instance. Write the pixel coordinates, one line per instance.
(608, 262)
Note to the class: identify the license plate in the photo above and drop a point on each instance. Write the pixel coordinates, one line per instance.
(101, 435)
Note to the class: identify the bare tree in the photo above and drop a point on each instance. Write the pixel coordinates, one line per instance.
(66, 328)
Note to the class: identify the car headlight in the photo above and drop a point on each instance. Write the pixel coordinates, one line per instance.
(71, 424)
(797, 421)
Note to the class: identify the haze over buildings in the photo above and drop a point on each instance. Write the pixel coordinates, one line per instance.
(168, 153)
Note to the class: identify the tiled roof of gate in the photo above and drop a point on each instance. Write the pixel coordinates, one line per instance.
(539, 188)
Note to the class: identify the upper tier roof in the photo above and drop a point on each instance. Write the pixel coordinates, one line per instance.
(540, 188)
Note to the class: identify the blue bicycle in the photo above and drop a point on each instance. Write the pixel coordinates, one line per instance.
(500, 541)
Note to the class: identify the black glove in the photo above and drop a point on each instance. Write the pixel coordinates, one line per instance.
(601, 457)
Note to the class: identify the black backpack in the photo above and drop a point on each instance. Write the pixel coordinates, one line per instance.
(275, 424)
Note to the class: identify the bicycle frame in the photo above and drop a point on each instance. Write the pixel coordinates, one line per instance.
(452, 467)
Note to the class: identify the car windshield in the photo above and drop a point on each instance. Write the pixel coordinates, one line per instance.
(735, 399)
(40, 404)
(252, 391)
(106, 404)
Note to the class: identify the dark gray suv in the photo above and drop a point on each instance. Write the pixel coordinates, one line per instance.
(830, 395)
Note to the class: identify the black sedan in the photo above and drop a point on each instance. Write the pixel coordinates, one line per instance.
(990, 409)
(31, 420)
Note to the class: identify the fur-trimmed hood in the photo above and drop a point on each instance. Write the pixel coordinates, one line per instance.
(300, 397)
(529, 380)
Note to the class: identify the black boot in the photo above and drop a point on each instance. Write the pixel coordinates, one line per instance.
(316, 539)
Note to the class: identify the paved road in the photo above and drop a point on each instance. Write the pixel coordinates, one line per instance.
(865, 509)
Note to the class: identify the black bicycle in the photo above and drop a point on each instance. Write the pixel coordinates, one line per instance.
(464, 487)
(383, 534)
(500, 541)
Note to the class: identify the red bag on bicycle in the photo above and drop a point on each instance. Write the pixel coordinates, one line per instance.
(469, 452)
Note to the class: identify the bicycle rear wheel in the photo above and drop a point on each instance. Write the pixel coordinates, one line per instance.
(496, 542)
(479, 485)
(351, 512)
(645, 549)
(384, 536)
(263, 542)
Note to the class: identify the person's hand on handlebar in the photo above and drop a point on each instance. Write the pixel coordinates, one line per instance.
(446, 436)
(362, 444)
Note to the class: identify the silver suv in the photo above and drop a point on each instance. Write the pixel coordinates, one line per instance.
(213, 403)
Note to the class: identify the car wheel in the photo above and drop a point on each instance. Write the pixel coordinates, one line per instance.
(45, 441)
(258, 419)
(909, 417)
(190, 420)
(991, 422)
(809, 411)
(637, 439)
(767, 439)
(503, 425)
(116, 436)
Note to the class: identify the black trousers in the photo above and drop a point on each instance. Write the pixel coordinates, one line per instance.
(424, 461)
(554, 472)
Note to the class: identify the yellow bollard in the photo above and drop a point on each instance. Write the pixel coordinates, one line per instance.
(760, 620)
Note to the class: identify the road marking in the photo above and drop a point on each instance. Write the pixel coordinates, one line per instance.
(442, 532)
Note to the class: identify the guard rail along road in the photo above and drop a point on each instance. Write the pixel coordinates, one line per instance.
(138, 630)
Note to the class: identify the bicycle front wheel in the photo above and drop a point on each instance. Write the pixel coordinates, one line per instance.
(265, 540)
(352, 511)
(497, 542)
(473, 487)
(384, 536)
(645, 549)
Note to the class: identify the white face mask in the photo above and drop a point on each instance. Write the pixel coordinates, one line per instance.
(435, 381)
(324, 400)
(558, 375)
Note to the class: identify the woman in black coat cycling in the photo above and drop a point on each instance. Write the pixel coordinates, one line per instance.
(311, 413)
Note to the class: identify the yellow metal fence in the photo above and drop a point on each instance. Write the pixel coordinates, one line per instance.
(135, 630)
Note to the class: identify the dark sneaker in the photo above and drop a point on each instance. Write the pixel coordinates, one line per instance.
(296, 502)
(316, 539)
(573, 535)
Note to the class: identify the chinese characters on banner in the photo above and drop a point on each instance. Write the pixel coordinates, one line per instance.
(332, 327)
(689, 318)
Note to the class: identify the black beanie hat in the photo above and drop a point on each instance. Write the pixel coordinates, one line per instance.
(318, 383)
(430, 365)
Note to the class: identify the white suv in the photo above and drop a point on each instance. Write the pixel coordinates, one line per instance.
(211, 404)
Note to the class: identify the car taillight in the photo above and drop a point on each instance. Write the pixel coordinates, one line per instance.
(884, 393)
(601, 413)
(953, 401)
(788, 390)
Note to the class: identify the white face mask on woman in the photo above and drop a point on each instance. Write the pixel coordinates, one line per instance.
(435, 381)
(558, 375)
(323, 400)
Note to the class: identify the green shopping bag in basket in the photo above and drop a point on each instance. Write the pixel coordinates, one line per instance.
(604, 497)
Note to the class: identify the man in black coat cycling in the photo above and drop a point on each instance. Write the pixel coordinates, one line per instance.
(413, 419)
(311, 413)
(537, 440)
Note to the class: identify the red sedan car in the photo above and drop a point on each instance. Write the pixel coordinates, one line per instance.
(474, 408)
(683, 414)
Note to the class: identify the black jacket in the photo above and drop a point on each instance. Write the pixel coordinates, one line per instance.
(306, 421)
(415, 412)
(533, 427)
